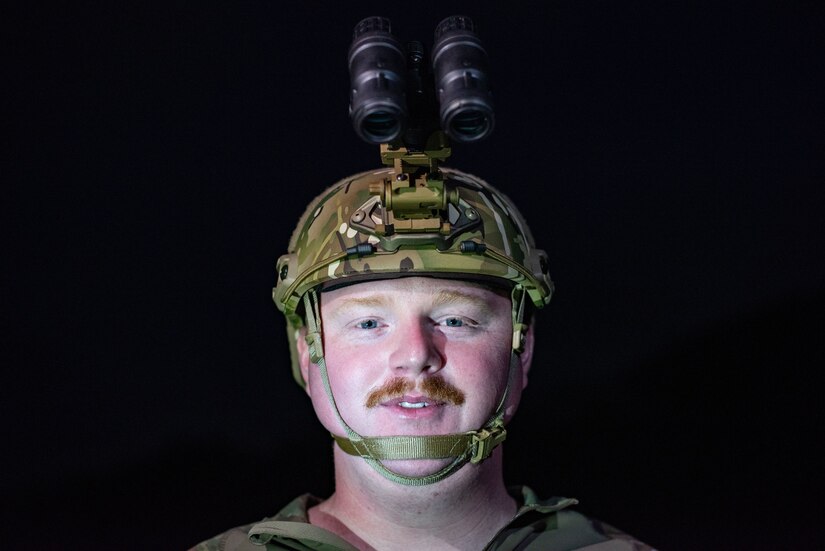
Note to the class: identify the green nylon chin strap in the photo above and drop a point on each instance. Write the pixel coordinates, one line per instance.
(471, 446)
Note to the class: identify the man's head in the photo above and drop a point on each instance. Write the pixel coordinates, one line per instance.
(435, 266)
(416, 356)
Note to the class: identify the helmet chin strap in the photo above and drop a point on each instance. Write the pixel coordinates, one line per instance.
(472, 446)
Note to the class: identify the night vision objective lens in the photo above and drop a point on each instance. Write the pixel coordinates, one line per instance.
(462, 81)
(377, 66)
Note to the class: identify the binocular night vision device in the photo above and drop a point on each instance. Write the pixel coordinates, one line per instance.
(398, 98)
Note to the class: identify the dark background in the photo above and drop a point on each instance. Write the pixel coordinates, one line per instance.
(158, 155)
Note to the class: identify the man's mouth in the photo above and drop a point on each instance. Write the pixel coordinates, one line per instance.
(431, 392)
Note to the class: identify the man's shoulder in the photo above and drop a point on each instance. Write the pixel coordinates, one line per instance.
(589, 534)
(551, 524)
(237, 539)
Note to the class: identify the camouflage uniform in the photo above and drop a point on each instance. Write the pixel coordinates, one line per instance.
(539, 525)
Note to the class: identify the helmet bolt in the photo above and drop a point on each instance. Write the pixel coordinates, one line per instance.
(472, 214)
(472, 247)
(358, 216)
(401, 177)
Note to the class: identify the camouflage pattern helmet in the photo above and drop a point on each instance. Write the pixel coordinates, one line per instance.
(386, 224)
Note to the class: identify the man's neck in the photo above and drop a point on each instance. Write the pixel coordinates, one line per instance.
(463, 511)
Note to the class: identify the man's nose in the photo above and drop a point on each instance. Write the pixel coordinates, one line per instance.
(417, 347)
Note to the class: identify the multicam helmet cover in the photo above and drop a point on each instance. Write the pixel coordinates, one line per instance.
(379, 225)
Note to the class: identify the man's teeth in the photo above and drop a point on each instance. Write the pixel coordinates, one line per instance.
(413, 405)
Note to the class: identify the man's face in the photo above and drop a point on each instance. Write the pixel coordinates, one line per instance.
(414, 356)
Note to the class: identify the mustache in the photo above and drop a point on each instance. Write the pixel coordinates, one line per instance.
(433, 387)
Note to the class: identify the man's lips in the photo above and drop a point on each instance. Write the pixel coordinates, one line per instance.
(412, 402)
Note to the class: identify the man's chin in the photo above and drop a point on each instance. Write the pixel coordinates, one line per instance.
(416, 467)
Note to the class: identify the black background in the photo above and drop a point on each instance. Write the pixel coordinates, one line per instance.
(158, 155)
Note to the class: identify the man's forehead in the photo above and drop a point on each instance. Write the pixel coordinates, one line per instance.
(438, 289)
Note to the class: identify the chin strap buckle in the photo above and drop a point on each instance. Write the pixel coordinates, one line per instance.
(485, 440)
(315, 344)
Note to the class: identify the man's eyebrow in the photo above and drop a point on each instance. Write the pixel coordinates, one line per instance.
(369, 301)
(449, 297)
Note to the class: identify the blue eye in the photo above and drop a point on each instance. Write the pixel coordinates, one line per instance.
(368, 324)
(454, 322)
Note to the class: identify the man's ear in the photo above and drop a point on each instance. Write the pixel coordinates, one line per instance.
(303, 355)
(526, 356)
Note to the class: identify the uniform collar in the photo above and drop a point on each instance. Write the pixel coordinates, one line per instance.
(291, 525)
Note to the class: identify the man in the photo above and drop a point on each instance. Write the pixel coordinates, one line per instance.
(409, 295)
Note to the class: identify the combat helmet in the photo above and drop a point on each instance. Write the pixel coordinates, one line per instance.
(381, 225)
